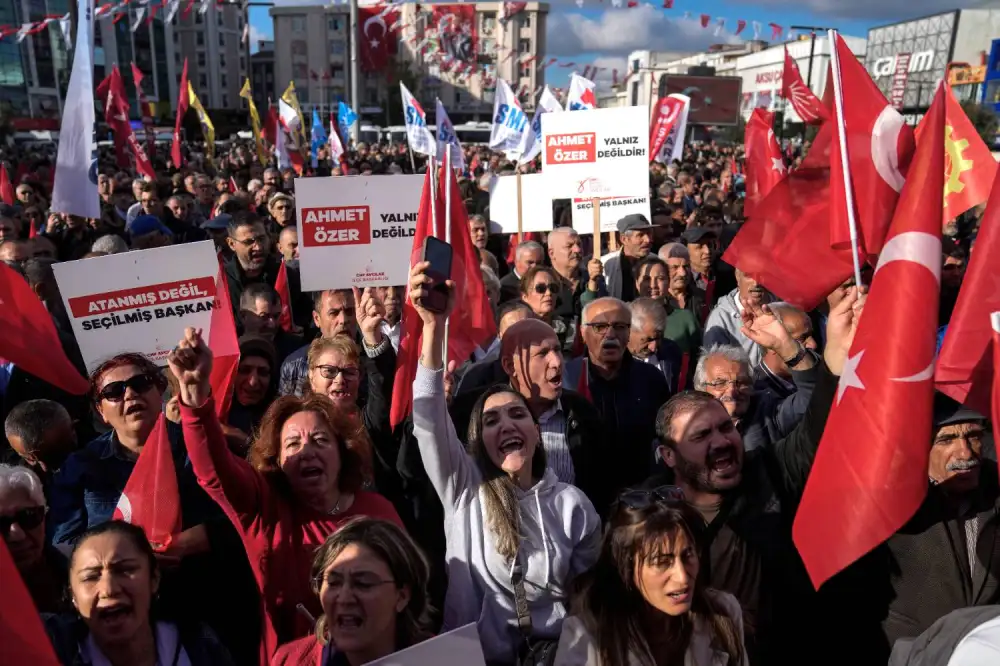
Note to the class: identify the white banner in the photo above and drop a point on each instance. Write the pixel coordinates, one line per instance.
(356, 231)
(458, 647)
(531, 145)
(75, 188)
(536, 204)
(420, 138)
(596, 153)
(138, 301)
(612, 210)
(447, 139)
(509, 123)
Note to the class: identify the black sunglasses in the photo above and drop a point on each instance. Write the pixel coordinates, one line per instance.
(115, 391)
(28, 519)
(543, 287)
(638, 499)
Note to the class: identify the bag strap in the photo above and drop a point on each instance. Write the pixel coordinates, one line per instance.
(520, 597)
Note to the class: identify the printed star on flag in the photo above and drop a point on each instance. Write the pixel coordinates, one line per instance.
(850, 377)
(777, 165)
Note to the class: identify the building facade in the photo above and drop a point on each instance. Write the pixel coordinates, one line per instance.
(262, 73)
(35, 72)
(915, 54)
(216, 54)
(317, 60)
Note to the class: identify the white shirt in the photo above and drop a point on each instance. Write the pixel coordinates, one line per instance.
(980, 647)
(393, 333)
(479, 353)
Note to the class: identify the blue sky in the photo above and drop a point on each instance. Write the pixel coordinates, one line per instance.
(598, 33)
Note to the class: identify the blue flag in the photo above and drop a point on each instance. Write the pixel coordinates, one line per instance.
(318, 137)
(345, 118)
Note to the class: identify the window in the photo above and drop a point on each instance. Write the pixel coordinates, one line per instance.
(336, 71)
(635, 65)
(201, 59)
(524, 70)
(300, 47)
(525, 20)
(222, 60)
(300, 70)
(199, 39)
(176, 37)
(224, 83)
(337, 47)
(635, 93)
(298, 24)
(243, 62)
(303, 94)
(202, 82)
(218, 17)
(197, 17)
(333, 23)
(222, 39)
(489, 23)
(239, 23)
(524, 46)
(225, 101)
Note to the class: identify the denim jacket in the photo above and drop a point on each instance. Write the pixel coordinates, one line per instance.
(85, 490)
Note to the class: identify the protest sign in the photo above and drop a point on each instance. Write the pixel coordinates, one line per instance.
(139, 301)
(596, 153)
(536, 204)
(458, 647)
(612, 210)
(356, 231)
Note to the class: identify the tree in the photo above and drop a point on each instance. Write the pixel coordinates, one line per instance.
(983, 119)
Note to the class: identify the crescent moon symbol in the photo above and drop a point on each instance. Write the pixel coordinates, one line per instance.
(923, 375)
(914, 246)
(885, 152)
(378, 20)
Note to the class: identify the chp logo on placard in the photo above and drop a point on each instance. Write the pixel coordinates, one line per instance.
(571, 148)
(337, 225)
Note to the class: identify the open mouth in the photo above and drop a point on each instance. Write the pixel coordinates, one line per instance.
(511, 445)
(349, 622)
(338, 394)
(724, 462)
(680, 596)
(135, 408)
(311, 472)
(114, 613)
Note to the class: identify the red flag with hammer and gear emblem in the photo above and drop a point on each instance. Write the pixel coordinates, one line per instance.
(870, 471)
(807, 106)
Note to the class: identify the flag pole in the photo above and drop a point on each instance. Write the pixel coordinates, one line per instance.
(447, 236)
(520, 223)
(838, 92)
(595, 207)
(431, 164)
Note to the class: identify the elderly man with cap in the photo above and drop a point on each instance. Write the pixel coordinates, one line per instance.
(573, 436)
(702, 245)
(281, 213)
(637, 238)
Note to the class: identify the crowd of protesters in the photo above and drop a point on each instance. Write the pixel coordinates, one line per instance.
(611, 482)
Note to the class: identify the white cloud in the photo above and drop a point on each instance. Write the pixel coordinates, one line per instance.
(255, 36)
(882, 10)
(621, 32)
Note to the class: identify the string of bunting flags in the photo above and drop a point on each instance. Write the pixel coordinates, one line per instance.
(146, 11)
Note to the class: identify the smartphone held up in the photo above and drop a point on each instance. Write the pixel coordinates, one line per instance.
(439, 255)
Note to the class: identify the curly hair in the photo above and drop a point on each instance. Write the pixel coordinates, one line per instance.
(352, 441)
(340, 343)
(134, 359)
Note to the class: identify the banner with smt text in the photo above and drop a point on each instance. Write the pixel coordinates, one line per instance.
(139, 301)
(612, 210)
(596, 153)
(356, 231)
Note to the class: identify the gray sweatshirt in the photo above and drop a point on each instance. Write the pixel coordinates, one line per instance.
(560, 535)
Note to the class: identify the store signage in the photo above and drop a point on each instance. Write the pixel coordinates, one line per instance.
(898, 90)
(919, 62)
(769, 77)
(960, 76)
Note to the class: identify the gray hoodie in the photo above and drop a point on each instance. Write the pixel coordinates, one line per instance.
(723, 328)
(560, 535)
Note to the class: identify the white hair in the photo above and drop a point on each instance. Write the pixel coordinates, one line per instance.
(559, 231)
(254, 185)
(646, 309)
(674, 251)
(14, 477)
(111, 244)
(733, 353)
(606, 300)
(533, 246)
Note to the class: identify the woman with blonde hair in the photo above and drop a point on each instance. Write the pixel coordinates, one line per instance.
(371, 580)
(302, 483)
(642, 604)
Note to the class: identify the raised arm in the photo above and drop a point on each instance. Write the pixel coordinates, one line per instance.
(448, 466)
(227, 478)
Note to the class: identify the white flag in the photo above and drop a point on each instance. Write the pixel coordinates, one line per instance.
(139, 15)
(75, 188)
(246, 33)
(64, 26)
(533, 140)
(172, 10)
(204, 6)
(23, 32)
(420, 138)
(447, 139)
(581, 94)
(336, 147)
(509, 122)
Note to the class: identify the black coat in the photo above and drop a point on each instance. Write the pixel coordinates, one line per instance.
(238, 281)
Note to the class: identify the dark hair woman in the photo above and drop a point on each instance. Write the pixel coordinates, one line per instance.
(641, 604)
(371, 580)
(113, 582)
(302, 482)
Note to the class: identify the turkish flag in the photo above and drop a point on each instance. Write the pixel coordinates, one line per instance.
(375, 40)
(471, 323)
(182, 107)
(764, 163)
(225, 347)
(116, 114)
(879, 149)
(29, 337)
(281, 286)
(151, 498)
(807, 106)
(6, 189)
(22, 635)
(870, 472)
(969, 166)
(964, 371)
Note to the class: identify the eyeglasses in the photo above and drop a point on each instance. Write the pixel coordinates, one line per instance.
(115, 391)
(28, 519)
(738, 384)
(250, 242)
(638, 499)
(331, 372)
(602, 327)
(362, 583)
(550, 287)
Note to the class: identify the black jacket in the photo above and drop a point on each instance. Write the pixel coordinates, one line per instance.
(510, 288)
(238, 281)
